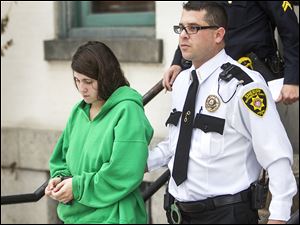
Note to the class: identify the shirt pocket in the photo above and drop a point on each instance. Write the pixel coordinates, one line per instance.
(173, 118)
(172, 123)
(209, 139)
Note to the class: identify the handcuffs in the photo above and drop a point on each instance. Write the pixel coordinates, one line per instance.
(175, 214)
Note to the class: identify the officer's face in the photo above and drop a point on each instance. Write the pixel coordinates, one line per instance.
(198, 47)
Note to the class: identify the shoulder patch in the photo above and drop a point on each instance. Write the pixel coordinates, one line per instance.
(256, 101)
(285, 5)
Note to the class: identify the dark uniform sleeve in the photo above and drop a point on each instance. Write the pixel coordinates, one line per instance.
(177, 57)
(284, 18)
(180, 61)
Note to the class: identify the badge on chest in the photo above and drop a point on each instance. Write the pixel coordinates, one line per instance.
(212, 103)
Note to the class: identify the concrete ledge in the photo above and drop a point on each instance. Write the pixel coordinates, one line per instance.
(111, 32)
(139, 50)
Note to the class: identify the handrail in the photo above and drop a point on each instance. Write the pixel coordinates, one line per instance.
(40, 192)
(156, 185)
(23, 198)
(294, 218)
(158, 87)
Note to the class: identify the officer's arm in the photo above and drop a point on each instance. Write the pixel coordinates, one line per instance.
(271, 145)
(159, 156)
(283, 16)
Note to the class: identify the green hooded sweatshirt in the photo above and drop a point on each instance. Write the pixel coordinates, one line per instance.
(106, 158)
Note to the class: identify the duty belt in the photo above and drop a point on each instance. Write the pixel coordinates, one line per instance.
(215, 202)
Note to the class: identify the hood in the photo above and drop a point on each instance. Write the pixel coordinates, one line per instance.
(124, 93)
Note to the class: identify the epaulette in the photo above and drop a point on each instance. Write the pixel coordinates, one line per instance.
(230, 71)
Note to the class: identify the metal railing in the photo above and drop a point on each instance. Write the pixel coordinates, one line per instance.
(294, 218)
(23, 198)
(156, 185)
(158, 87)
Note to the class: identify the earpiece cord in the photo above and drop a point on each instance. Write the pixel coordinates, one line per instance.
(239, 83)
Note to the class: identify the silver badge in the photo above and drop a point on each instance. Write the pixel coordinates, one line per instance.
(212, 103)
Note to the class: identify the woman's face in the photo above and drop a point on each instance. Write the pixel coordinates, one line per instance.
(87, 87)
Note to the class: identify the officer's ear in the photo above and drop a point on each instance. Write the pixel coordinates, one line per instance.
(219, 35)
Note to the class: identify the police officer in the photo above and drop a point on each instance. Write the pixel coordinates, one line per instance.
(236, 131)
(251, 26)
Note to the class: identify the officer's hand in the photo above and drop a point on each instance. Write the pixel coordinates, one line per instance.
(289, 94)
(276, 222)
(170, 75)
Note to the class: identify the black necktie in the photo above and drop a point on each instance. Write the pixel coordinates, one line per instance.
(186, 128)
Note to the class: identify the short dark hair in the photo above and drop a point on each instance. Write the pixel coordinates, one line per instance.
(215, 12)
(95, 60)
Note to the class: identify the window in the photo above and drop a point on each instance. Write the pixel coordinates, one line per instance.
(127, 27)
(122, 6)
(116, 13)
(111, 19)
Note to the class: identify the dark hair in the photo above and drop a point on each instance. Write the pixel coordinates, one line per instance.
(215, 12)
(95, 60)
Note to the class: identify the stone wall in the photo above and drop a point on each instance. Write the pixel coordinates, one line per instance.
(24, 168)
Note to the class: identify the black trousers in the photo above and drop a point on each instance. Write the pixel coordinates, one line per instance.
(239, 213)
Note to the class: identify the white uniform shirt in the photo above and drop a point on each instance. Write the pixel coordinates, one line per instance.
(228, 163)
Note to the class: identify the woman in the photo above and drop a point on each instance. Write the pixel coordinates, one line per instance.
(98, 163)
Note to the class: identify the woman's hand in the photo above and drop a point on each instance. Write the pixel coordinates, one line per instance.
(51, 185)
(63, 191)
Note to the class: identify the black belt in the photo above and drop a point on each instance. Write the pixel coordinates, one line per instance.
(215, 202)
